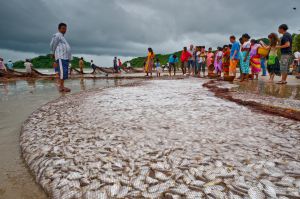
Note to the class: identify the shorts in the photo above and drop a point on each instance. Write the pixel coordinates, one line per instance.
(190, 64)
(62, 69)
(233, 65)
(285, 62)
(55, 67)
(184, 64)
(159, 70)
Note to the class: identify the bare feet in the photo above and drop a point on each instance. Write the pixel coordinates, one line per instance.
(64, 89)
(67, 90)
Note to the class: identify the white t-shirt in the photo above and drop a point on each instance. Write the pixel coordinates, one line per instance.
(128, 64)
(28, 66)
(246, 44)
(220, 54)
(192, 53)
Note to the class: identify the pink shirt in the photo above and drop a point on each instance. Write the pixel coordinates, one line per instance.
(253, 50)
(209, 58)
(2, 66)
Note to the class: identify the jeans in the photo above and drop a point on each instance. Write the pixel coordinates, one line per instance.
(191, 65)
(263, 66)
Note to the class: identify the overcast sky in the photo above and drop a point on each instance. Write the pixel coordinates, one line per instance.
(101, 29)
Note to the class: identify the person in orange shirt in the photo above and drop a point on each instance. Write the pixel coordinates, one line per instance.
(149, 62)
(81, 65)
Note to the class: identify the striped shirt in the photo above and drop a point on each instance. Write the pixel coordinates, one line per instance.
(60, 47)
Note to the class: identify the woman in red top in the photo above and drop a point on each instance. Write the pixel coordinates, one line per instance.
(119, 64)
(184, 58)
(226, 60)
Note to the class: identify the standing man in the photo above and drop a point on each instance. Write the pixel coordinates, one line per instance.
(184, 58)
(28, 66)
(191, 61)
(10, 65)
(172, 63)
(286, 52)
(93, 66)
(234, 55)
(62, 54)
(81, 65)
(115, 62)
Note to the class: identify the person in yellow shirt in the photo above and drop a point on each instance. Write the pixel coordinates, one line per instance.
(149, 62)
(81, 65)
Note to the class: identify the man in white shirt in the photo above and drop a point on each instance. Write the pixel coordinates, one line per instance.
(191, 61)
(62, 54)
(28, 66)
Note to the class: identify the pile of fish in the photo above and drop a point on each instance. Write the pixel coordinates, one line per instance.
(164, 139)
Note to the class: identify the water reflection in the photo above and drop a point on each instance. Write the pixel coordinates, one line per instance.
(272, 89)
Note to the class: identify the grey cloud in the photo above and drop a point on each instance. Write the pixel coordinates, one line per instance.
(128, 27)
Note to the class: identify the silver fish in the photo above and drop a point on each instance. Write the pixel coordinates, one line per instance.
(255, 193)
(74, 176)
(114, 189)
(161, 176)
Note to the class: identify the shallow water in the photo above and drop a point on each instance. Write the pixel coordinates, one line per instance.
(168, 137)
(264, 88)
(17, 100)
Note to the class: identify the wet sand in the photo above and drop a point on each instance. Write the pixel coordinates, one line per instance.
(18, 99)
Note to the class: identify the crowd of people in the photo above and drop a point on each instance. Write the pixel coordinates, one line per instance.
(252, 57)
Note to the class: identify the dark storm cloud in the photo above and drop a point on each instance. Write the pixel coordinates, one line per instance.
(128, 27)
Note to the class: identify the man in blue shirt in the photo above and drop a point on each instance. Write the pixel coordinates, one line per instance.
(234, 55)
(173, 59)
(10, 65)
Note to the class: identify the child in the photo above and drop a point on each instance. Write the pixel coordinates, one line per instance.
(158, 68)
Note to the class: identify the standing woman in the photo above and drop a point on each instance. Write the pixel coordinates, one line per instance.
(255, 59)
(226, 60)
(245, 57)
(209, 60)
(149, 62)
(273, 64)
(218, 61)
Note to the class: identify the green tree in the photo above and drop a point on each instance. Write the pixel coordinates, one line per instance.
(296, 43)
